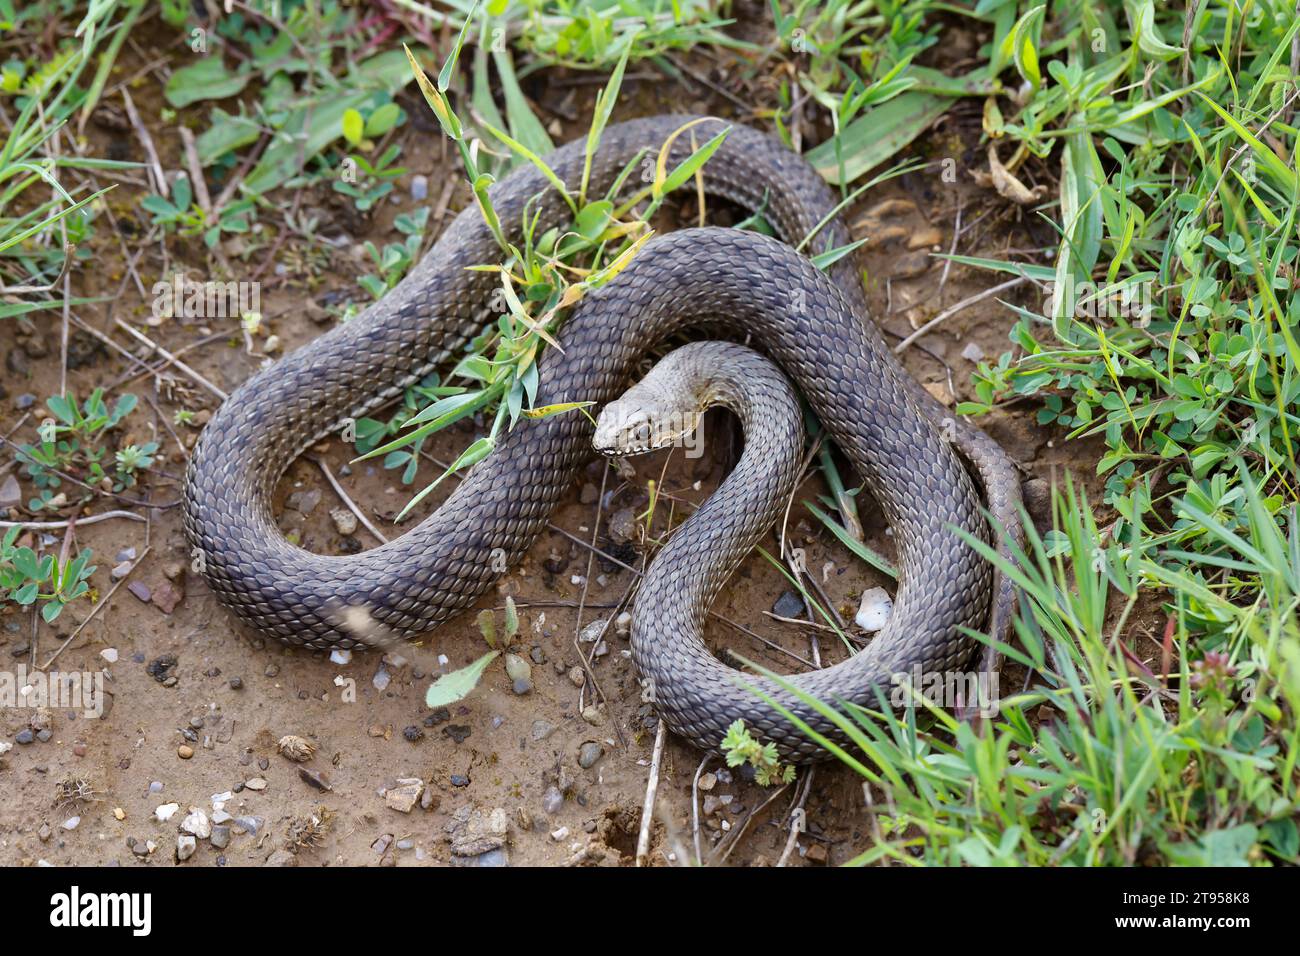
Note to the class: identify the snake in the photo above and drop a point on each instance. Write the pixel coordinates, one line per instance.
(907, 448)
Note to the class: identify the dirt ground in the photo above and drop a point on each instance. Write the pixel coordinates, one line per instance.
(202, 732)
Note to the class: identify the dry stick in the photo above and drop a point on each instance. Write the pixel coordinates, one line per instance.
(347, 500)
(708, 84)
(796, 825)
(173, 359)
(59, 525)
(763, 640)
(95, 609)
(582, 600)
(196, 170)
(155, 165)
(651, 791)
(952, 251)
(592, 547)
(695, 806)
(963, 304)
(155, 370)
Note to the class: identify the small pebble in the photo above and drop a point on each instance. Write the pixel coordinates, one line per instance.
(185, 751)
(221, 836)
(552, 800)
(589, 753)
(875, 609)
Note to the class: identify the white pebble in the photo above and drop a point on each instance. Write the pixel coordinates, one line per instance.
(873, 614)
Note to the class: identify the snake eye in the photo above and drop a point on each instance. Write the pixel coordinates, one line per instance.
(641, 434)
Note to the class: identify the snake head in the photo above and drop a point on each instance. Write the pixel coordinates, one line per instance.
(643, 420)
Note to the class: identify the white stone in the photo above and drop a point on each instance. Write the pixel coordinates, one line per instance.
(873, 613)
(197, 823)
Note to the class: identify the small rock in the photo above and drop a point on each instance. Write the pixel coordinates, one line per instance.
(11, 494)
(140, 590)
(518, 668)
(303, 502)
(708, 781)
(341, 656)
(221, 836)
(622, 525)
(166, 596)
(522, 686)
(873, 614)
(972, 352)
(316, 779)
(459, 780)
(257, 783)
(560, 835)
(345, 522)
(474, 831)
(197, 823)
(185, 751)
(419, 187)
(296, 748)
(457, 732)
(592, 631)
(44, 833)
(160, 667)
(109, 654)
(542, 729)
(165, 812)
(24, 736)
(405, 795)
(413, 733)
(72, 823)
(589, 753)
(185, 847)
(281, 857)
(623, 624)
(552, 800)
(789, 604)
(577, 676)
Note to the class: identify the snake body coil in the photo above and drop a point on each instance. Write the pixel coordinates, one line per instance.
(813, 325)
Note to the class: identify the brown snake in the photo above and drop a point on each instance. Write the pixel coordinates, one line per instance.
(815, 326)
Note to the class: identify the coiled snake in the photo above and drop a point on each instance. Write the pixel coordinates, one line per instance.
(815, 326)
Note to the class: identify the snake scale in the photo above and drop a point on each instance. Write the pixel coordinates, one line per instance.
(815, 325)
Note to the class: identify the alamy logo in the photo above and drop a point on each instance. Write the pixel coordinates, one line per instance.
(184, 298)
(58, 690)
(75, 909)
